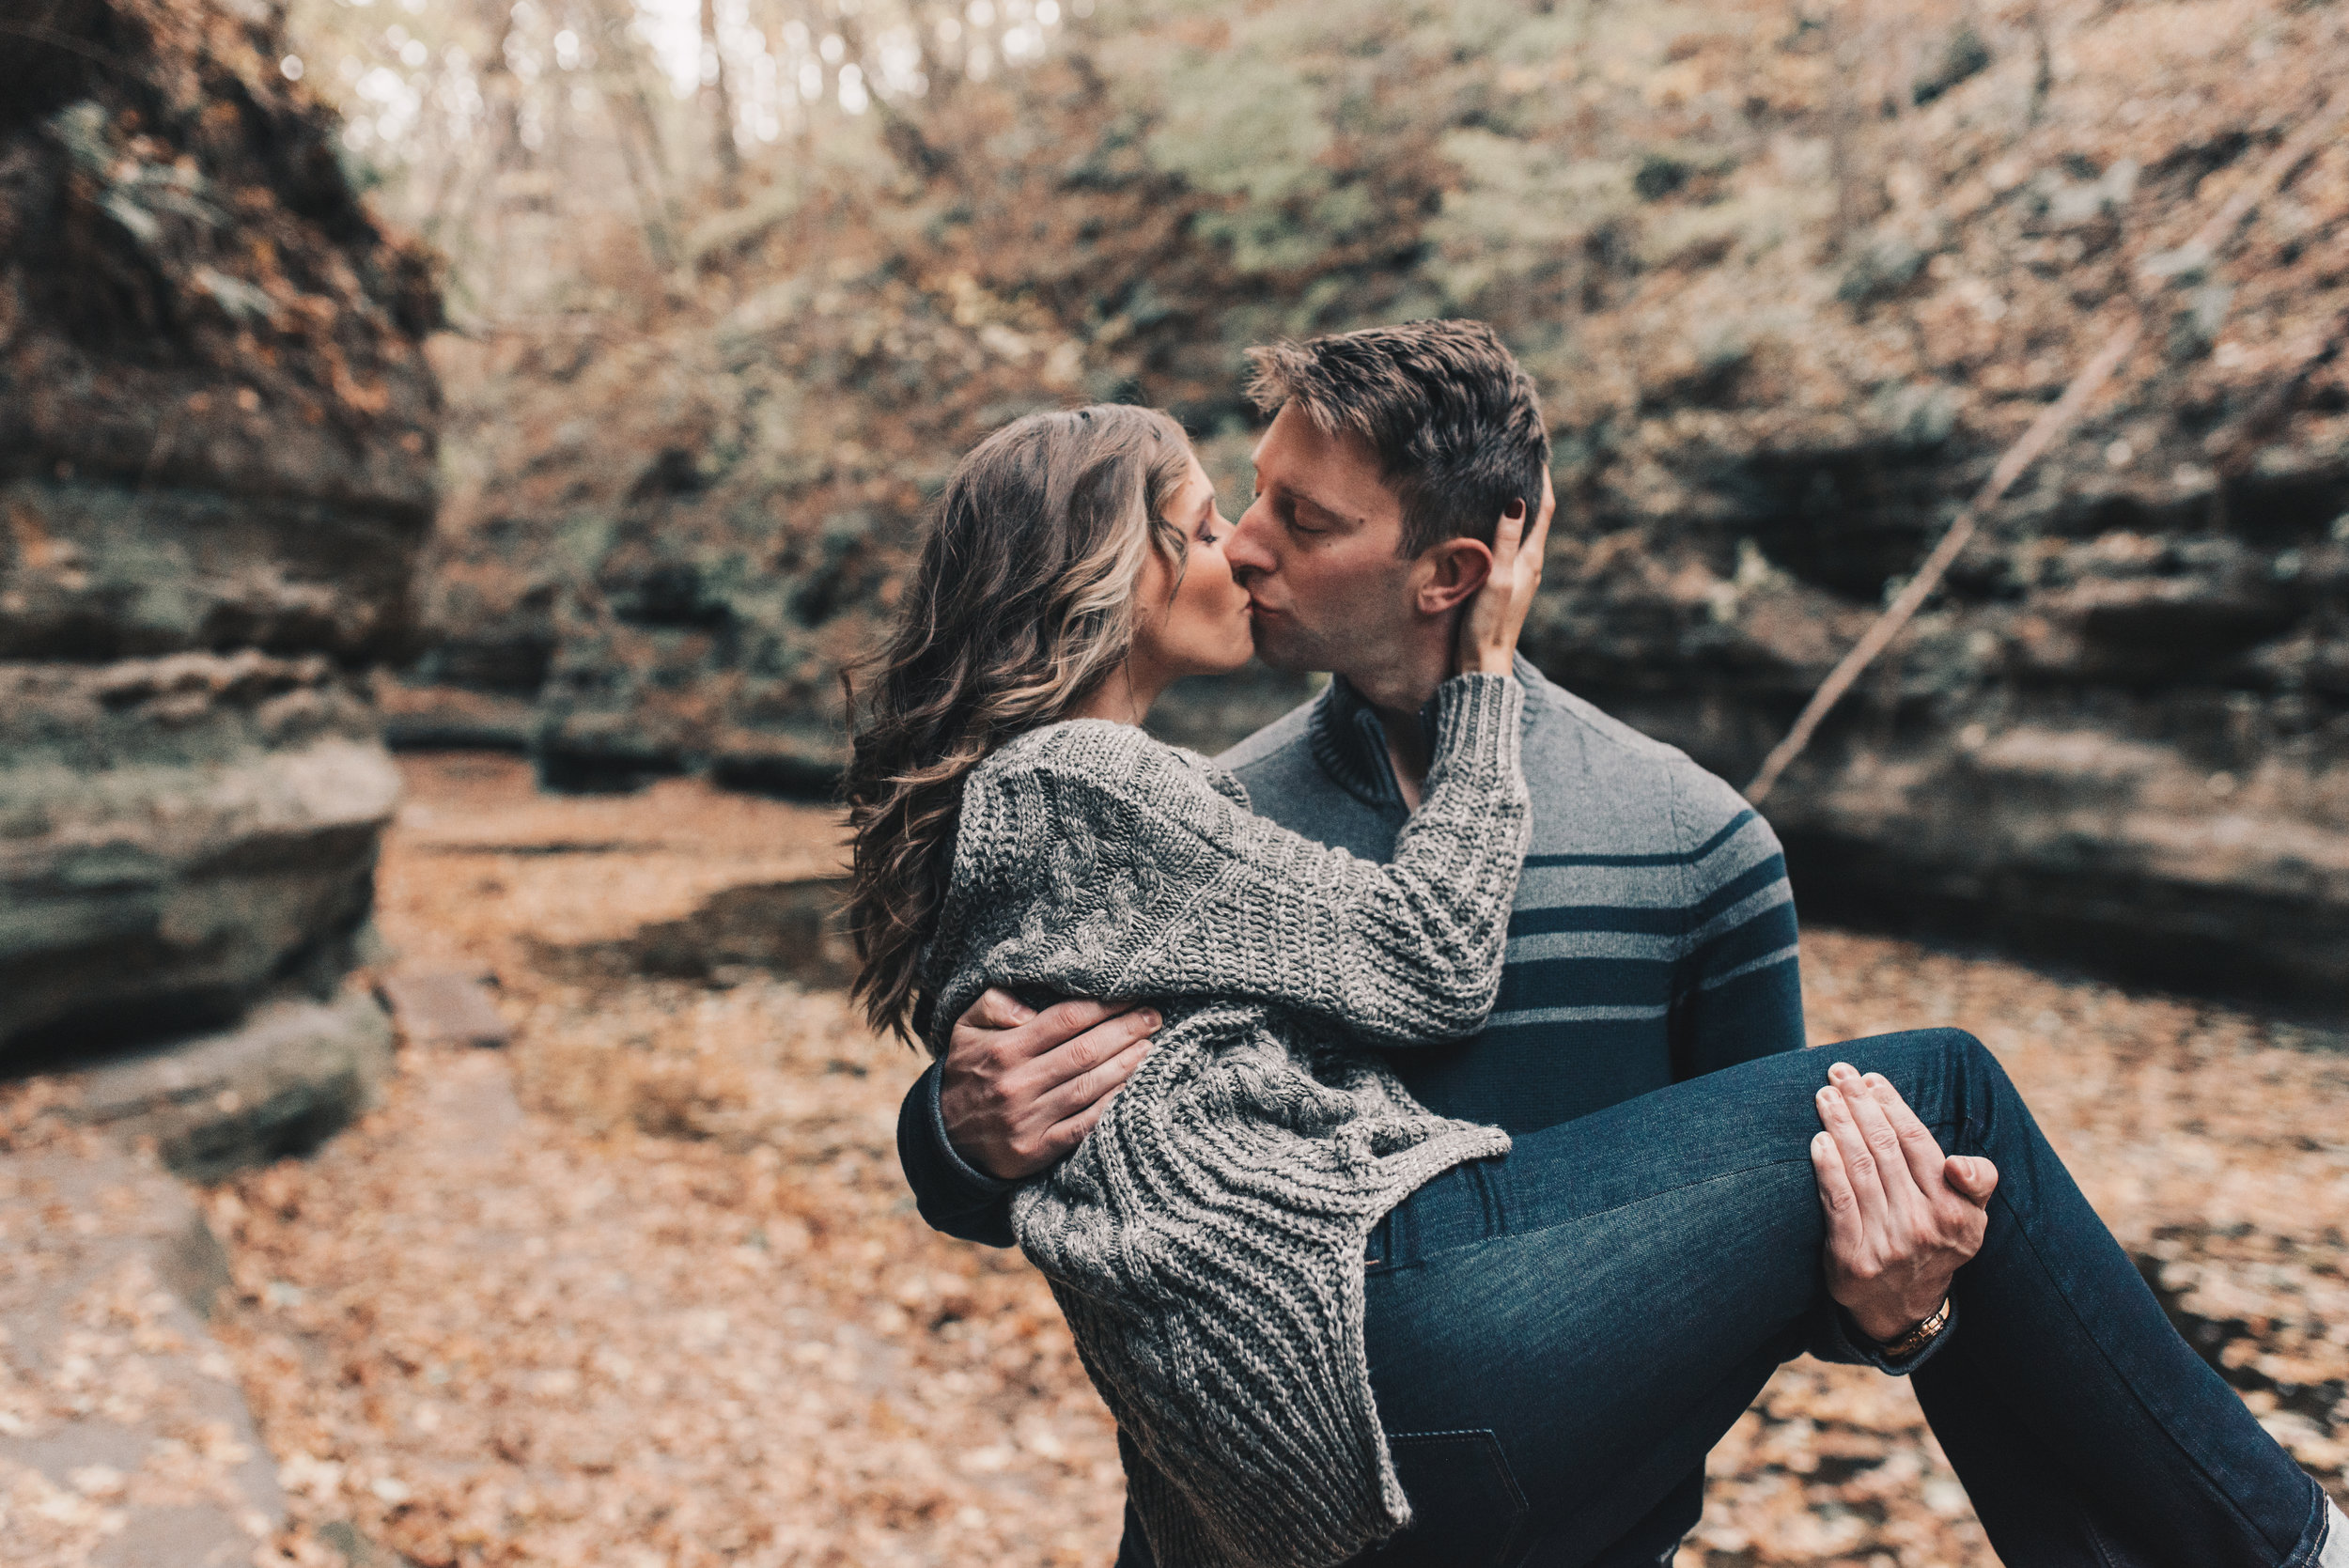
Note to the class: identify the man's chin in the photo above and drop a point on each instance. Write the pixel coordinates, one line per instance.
(1282, 649)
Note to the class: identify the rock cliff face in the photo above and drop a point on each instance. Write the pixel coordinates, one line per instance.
(2120, 734)
(2120, 739)
(216, 470)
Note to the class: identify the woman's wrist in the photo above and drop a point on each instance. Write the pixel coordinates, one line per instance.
(1475, 713)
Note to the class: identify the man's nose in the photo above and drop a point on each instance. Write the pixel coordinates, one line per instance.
(1246, 548)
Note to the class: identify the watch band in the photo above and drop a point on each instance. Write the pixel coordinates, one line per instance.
(1916, 1339)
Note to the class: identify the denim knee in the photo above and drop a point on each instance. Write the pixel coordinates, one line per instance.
(1945, 1073)
(1979, 1087)
(1967, 1056)
(1971, 1060)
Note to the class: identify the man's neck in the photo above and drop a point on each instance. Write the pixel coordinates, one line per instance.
(1396, 692)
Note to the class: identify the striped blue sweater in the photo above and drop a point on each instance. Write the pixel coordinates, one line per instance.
(1653, 939)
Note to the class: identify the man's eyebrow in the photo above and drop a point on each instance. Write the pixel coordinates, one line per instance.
(1338, 513)
(1296, 494)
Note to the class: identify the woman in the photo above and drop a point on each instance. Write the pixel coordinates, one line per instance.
(1293, 1285)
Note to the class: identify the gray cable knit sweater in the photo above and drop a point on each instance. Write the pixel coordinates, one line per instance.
(1206, 1240)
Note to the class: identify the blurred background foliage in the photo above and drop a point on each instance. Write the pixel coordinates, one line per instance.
(735, 282)
(975, 210)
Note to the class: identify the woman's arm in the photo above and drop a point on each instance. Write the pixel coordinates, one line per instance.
(1402, 953)
(1095, 861)
(1146, 881)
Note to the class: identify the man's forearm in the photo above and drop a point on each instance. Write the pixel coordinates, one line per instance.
(952, 1196)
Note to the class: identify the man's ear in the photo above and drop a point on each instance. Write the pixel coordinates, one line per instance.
(1448, 575)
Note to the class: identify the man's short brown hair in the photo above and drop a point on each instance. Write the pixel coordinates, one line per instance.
(1456, 424)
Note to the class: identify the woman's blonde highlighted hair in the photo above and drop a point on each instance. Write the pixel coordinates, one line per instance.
(1020, 606)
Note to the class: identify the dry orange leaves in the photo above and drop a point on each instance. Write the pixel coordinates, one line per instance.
(647, 1288)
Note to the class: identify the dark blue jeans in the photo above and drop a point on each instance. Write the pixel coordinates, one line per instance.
(1558, 1337)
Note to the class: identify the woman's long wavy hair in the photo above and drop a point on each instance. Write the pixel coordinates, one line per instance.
(1021, 605)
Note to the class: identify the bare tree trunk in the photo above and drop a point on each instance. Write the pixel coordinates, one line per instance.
(718, 95)
(1844, 111)
(620, 82)
(474, 168)
(944, 75)
(2043, 69)
(649, 208)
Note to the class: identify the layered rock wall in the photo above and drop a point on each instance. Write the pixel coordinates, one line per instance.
(2120, 733)
(216, 470)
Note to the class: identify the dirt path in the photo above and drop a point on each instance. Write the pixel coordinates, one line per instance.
(646, 1288)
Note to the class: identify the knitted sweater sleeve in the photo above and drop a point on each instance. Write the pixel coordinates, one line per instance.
(1135, 878)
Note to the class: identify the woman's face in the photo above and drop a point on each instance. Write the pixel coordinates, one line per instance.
(1201, 624)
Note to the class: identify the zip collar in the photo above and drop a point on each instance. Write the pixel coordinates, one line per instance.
(1349, 743)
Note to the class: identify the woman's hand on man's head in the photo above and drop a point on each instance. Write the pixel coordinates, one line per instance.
(1489, 630)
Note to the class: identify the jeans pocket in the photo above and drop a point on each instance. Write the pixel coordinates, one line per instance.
(1466, 1510)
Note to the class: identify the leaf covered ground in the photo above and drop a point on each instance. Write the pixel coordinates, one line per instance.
(646, 1288)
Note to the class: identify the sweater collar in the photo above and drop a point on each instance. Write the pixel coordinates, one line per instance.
(1350, 745)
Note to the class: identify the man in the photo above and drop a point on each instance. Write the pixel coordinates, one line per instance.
(1653, 937)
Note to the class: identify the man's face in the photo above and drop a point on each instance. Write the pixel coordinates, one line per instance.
(1320, 552)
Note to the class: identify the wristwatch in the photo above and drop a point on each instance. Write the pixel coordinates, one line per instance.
(1916, 1339)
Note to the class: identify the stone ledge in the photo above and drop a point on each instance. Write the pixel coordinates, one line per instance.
(114, 570)
(284, 1081)
(145, 901)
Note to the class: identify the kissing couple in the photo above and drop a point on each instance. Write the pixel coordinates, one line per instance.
(1408, 1107)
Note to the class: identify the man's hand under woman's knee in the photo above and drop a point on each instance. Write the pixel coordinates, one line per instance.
(1017, 1089)
(1901, 1216)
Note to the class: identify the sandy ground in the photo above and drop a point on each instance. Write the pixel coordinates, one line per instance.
(646, 1288)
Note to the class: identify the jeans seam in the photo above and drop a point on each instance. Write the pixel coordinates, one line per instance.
(2097, 1540)
(1422, 1256)
(2316, 1539)
(1596, 1214)
(2065, 1294)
